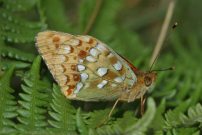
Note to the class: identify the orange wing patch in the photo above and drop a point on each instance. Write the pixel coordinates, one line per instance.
(62, 52)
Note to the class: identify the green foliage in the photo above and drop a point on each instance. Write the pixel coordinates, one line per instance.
(142, 124)
(54, 13)
(127, 125)
(33, 100)
(194, 116)
(62, 113)
(16, 28)
(29, 104)
(183, 124)
(8, 105)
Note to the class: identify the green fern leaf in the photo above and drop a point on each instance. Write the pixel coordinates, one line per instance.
(141, 125)
(34, 100)
(158, 121)
(99, 125)
(82, 128)
(172, 117)
(19, 5)
(194, 116)
(8, 105)
(17, 29)
(97, 117)
(62, 113)
(115, 126)
(5, 64)
(127, 119)
(184, 131)
(14, 53)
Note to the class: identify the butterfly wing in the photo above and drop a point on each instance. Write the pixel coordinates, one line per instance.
(84, 67)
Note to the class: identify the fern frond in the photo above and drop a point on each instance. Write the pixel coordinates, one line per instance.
(97, 122)
(185, 131)
(109, 129)
(194, 115)
(34, 100)
(14, 28)
(96, 118)
(14, 53)
(82, 127)
(5, 64)
(128, 125)
(127, 119)
(158, 121)
(18, 5)
(115, 126)
(62, 113)
(8, 105)
(172, 116)
(142, 124)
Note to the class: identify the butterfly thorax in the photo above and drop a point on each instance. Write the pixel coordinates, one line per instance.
(144, 82)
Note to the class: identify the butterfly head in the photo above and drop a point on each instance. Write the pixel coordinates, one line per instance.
(145, 81)
(149, 78)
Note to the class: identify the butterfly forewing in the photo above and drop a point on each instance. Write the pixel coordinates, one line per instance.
(84, 67)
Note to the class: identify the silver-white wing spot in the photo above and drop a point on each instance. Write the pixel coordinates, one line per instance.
(102, 71)
(101, 47)
(118, 79)
(81, 67)
(94, 52)
(114, 85)
(118, 65)
(81, 60)
(84, 76)
(90, 59)
(78, 87)
(102, 84)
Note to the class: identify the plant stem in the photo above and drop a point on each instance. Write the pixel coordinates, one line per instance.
(93, 17)
(163, 32)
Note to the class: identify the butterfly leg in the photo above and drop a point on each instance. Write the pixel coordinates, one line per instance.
(142, 100)
(109, 115)
(113, 107)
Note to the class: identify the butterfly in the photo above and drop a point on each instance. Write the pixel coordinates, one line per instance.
(87, 69)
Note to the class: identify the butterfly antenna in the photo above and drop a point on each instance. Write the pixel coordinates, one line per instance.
(152, 65)
(165, 69)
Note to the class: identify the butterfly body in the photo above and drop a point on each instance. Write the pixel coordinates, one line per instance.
(87, 69)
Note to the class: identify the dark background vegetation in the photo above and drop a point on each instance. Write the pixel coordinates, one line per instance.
(30, 102)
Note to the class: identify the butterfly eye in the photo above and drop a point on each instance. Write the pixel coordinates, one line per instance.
(147, 81)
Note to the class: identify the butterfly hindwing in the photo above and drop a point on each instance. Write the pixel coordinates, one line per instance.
(84, 67)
